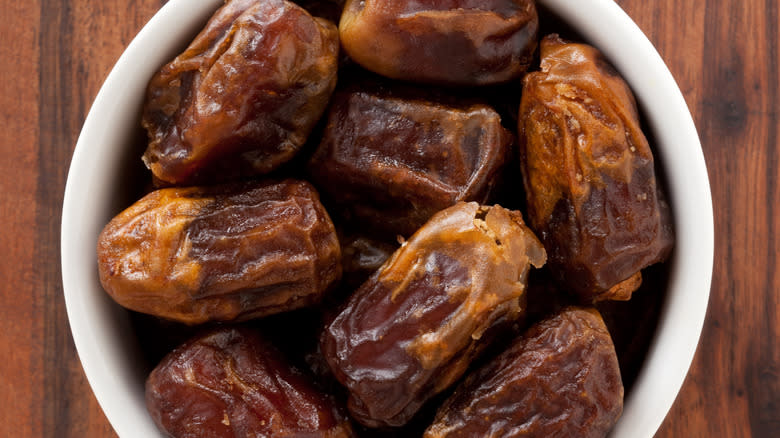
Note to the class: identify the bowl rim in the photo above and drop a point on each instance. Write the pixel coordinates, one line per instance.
(112, 369)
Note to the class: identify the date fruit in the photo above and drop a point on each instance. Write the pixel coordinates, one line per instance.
(244, 96)
(220, 253)
(560, 379)
(453, 42)
(391, 162)
(230, 382)
(413, 328)
(589, 174)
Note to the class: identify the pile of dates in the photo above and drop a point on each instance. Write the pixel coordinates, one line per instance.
(335, 243)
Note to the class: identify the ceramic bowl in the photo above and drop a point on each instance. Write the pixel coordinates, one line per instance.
(107, 345)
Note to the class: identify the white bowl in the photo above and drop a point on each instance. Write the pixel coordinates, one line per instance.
(101, 330)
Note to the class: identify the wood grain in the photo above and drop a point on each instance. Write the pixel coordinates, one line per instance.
(18, 106)
(724, 55)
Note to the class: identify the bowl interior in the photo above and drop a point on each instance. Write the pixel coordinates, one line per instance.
(106, 164)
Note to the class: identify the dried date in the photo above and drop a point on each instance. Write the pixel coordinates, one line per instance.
(231, 382)
(412, 329)
(589, 175)
(244, 96)
(560, 379)
(220, 253)
(455, 42)
(390, 162)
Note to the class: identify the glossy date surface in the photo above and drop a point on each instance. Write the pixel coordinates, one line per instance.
(220, 253)
(561, 379)
(230, 382)
(413, 328)
(390, 161)
(589, 175)
(243, 97)
(454, 42)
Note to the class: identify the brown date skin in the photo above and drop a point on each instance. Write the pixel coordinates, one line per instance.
(390, 162)
(413, 328)
(560, 379)
(230, 382)
(589, 174)
(221, 253)
(243, 97)
(450, 42)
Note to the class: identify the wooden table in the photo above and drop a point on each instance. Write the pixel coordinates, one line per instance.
(55, 54)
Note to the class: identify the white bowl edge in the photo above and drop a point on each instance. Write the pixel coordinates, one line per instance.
(112, 370)
(685, 307)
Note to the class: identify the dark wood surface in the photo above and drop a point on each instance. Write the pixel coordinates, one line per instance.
(724, 54)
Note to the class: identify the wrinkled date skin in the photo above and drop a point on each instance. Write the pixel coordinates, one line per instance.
(452, 42)
(588, 172)
(220, 253)
(244, 96)
(561, 379)
(230, 382)
(392, 162)
(412, 329)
